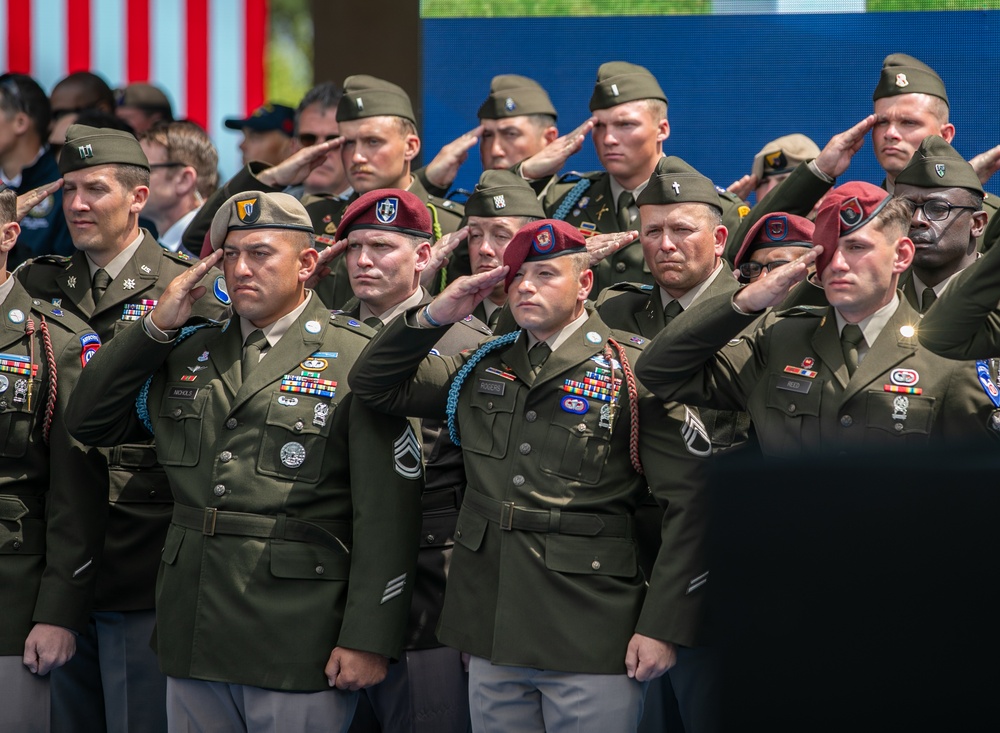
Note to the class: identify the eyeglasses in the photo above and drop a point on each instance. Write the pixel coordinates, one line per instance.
(935, 210)
(753, 269)
(307, 139)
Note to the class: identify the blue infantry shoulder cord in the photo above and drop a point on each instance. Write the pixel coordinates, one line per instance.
(141, 401)
(464, 372)
(570, 199)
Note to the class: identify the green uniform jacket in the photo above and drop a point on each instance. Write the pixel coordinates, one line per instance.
(256, 603)
(823, 411)
(637, 308)
(140, 501)
(444, 485)
(52, 496)
(964, 323)
(556, 599)
(446, 217)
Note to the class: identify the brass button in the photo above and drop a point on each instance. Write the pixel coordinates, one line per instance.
(531, 416)
(518, 480)
(219, 489)
(898, 427)
(152, 494)
(16, 544)
(489, 405)
(596, 565)
(178, 412)
(582, 427)
(429, 538)
(458, 534)
(320, 570)
(226, 456)
(620, 267)
(846, 421)
(791, 407)
(231, 423)
(525, 448)
(299, 425)
(3, 404)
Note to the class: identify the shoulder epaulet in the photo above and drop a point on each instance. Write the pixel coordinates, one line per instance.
(55, 314)
(577, 176)
(617, 289)
(476, 325)
(182, 257)
(627, 338)
(804, 310)
(350, 323)
(453, 207)
(61, 261)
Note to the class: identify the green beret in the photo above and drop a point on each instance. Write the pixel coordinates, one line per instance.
(619, 82)
(902, 74)
(503, 193)
(258, 210)
(512, 95)
(937, 164)
(88, 146)
(368, 96)
(783, 155)
(675, 182)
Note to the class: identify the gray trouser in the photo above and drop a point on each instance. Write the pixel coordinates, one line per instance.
(24, 698)
(504, 699)
(197, 706)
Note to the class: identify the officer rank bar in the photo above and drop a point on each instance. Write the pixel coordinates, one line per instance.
(135, 311)
(308, 385)
(15, 364)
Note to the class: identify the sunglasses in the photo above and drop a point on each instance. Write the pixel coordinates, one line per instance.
(308, 139)
(754, 269)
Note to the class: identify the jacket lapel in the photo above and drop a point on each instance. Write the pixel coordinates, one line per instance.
(227, 355)
(138, 275)
(600, 209)
(649, 318)
(74, 281)
(890, 348)
(826, 343)
(11, 332)
(576, 349)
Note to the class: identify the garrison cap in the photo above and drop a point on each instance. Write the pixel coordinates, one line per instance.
(783, 155)
(541, 240)
(144, 96)
(388, 210)
(88, 146)
(512, 95)
(845, 209)
(265, 118)
(903, 74)
(619, 82)
(503, 193)
(258, 210)
(368, 96)
(676, 182)
(937, 164)
(775, 230)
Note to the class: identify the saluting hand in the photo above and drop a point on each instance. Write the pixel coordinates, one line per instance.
(460, 298)
(549, 160)
(48, 647)
(174, 306)
(441, 171)
(440, 252)
(351, 669)
(296, 168)
(327, 255)
(985, 165)
(836, 156)
(743, 186)
(602, 246)
(648, 658)
(29, 200)
(772, 289)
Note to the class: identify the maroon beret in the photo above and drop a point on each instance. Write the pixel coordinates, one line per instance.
(775, 230)
(387, 209)
(845, 209)
(541, 240)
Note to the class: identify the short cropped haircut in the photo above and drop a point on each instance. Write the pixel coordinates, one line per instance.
(185, 142)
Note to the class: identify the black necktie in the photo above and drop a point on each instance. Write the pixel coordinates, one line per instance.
(101, 281)
(537, 356)
(927, 299)
(850, 338)
(256, 342)
(493, 319)
(671, 311)
(625, 201)
(373, 322)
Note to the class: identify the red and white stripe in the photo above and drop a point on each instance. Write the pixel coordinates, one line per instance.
(208, 55)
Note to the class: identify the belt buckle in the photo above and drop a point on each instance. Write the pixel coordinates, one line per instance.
(208, 524)
(507, 515)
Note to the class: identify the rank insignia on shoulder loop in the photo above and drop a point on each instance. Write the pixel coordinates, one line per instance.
(406, 454)
(220, 291)
(695, 435)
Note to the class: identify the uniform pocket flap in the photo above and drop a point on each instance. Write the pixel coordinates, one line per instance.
(470, 529)
(438, 529)
(900, 414)
(301, 414)
(182, 401)
(590, 555)
(12, 509)
(794, 395)
(305, 561)
(172, 544)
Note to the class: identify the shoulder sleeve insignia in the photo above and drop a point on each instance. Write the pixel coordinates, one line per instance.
(89, 344)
